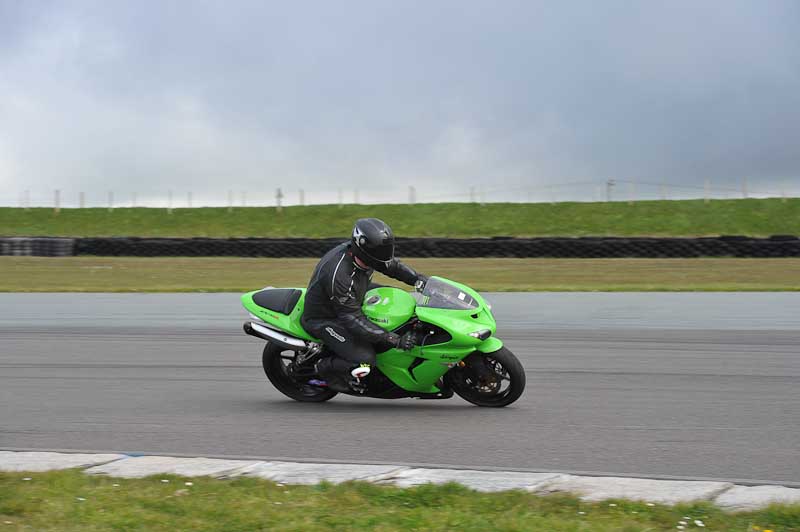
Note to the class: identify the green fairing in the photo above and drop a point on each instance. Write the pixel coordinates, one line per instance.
(395, 308)
(491, 345)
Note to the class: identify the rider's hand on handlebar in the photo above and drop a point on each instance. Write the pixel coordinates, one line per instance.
(419, 286)
(405, 342)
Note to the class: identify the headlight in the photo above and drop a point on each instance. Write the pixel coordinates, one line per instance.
(482, 334)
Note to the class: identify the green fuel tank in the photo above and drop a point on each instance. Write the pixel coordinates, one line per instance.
(388, 307)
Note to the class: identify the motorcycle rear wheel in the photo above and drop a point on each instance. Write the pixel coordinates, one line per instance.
(275, 361)
(481, 380)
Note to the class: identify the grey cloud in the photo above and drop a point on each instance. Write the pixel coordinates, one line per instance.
(252, 95)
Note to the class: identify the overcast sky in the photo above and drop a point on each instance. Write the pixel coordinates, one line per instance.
(148, 96)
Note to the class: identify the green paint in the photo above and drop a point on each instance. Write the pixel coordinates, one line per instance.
(490, 345)
(289, 323)
(388, 307)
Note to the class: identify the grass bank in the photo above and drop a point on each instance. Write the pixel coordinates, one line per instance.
(72, 501)
(753, 217)
(226, 274)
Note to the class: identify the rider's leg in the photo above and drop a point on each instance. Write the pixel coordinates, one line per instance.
(349, 353)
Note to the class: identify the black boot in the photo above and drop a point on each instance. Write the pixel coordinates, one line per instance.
(336, 382)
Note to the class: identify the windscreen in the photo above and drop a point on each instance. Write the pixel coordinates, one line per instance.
(439, 294)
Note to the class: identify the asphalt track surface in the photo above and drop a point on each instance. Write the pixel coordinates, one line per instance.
(684, 385)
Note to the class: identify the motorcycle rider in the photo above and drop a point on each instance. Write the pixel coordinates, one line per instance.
(334, 298)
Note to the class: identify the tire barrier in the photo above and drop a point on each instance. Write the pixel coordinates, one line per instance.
(583, 247)
(37, 247)
(206, 247)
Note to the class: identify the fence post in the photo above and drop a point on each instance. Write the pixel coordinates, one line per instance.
(302, 197)
(412, 195)
(82, 200)
(110, 200)
(609, 185)
(472, 194)
(278, 197)
(57, 202)
(169, 202)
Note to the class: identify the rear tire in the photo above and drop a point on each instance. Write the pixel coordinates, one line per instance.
(275, 359)
(482, 380)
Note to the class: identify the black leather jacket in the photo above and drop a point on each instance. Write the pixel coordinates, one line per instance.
(337, 288)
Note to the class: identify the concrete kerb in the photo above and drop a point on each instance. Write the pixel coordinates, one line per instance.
(310, 473)
(36, 461)
(668, 492)
(477, 480)
(744, 498)
(726, 495)
(145, 466)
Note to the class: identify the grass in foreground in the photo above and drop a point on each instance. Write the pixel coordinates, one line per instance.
(222, 274)
(754, 217)
(71, 500)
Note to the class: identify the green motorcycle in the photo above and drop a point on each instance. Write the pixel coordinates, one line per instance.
(457, 351)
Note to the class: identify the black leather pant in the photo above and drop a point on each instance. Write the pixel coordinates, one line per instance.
(348, 350)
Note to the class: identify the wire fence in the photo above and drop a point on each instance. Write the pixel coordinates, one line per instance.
(611, 190)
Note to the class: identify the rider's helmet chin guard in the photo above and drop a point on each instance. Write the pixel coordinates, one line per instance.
(373, 242)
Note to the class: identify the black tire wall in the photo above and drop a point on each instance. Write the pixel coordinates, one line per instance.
(584, 247)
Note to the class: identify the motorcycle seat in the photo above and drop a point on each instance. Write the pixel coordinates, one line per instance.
(281, 300)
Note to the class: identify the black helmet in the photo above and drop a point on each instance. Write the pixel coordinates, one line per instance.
(373, 242)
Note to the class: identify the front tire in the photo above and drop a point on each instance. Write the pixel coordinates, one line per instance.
(275, 361)
(492, 379)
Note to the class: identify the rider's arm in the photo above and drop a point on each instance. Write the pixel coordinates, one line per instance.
(348, 310)
(401, 272)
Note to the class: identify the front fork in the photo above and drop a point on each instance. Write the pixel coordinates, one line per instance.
(471, 372)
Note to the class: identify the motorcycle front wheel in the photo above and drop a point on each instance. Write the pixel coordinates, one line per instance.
(276, 361)
(492, 379)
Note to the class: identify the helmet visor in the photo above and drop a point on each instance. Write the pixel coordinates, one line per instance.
(383, 252)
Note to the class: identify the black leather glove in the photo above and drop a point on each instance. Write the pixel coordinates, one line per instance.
(419, 285)
(405, 342)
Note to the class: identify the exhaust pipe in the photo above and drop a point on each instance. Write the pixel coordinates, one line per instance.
(276, 337)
